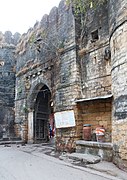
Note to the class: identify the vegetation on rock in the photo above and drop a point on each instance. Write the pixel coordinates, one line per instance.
(81, 6)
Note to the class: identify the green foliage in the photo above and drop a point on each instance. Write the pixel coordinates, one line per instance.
(32, 38)
(43, 34)
(19, 90)
(81, 6)
(61, 44)
(25, 109)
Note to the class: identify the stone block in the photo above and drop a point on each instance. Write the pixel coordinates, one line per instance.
(103, 150)
(84, 158)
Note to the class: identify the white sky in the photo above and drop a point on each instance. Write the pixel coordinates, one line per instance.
(20, 15)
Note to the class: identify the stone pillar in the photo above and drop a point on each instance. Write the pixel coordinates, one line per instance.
(24, 131)
(118, 45)
(30, 127)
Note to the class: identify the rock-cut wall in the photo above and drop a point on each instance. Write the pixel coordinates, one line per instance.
(7, 83)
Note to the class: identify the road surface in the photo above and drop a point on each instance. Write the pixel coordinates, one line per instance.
(30, 163)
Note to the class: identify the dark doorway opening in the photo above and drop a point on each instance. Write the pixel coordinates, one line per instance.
(41, 115)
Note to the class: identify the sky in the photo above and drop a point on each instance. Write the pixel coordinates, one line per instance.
(20, 15)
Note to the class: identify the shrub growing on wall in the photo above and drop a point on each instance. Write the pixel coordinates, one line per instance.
(81, 6)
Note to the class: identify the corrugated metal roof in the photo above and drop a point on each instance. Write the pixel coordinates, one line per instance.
(94, 98)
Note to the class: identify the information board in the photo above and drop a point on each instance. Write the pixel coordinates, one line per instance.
(64, 119)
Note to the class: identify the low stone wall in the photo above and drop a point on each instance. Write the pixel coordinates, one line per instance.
(104, 150)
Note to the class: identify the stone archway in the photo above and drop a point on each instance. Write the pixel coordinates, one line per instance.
(39, 112)
(41, 115)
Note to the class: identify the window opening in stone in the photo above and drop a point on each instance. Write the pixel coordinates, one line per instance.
(94, 60)
(95, 36)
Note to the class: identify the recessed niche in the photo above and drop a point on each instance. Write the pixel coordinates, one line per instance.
(94, 36)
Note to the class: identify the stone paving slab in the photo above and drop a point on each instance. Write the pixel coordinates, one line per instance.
(85, 158)
(108, 168)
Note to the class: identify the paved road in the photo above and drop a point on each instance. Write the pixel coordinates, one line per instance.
(30, 163)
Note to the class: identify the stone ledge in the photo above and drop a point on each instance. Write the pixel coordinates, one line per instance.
(94, 144)
(103, 150)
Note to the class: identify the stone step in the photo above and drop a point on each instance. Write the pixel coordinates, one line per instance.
(11, 142)
(10, 139)
(84, 158)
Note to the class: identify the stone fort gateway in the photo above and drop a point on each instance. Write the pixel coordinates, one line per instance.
(68, 73)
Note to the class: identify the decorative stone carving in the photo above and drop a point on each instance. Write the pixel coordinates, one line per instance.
(27, 84)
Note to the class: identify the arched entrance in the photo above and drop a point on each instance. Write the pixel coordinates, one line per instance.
(42, 110)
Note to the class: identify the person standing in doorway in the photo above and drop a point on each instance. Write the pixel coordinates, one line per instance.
(50, 131)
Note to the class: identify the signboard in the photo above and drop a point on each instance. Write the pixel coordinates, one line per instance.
(64, 119)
